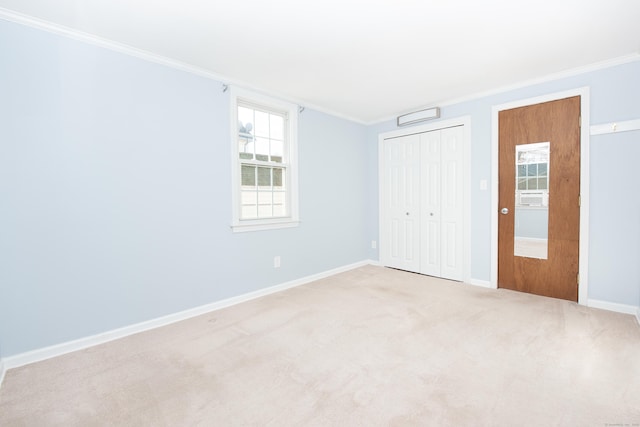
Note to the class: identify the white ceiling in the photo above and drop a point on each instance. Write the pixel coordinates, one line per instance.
(368, 60)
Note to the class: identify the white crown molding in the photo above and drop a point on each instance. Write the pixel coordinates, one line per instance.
(86, 342)
(621, 60)
(88, 38)
(612, 306)
(125, 49)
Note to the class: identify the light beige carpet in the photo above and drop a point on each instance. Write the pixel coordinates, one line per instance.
(369, 347)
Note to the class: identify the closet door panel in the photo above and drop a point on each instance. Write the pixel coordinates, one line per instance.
(430, 196)
(452, 220)
(400, 242)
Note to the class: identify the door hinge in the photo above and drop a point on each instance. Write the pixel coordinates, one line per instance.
(579, 121)
(579, 200)
(578, 278)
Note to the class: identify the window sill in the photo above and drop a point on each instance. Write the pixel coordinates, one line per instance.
(264, 225)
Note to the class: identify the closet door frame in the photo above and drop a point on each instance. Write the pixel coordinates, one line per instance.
(464, 121)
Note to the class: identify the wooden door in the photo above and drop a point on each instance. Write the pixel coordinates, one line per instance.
(400, 216)
(558, 123)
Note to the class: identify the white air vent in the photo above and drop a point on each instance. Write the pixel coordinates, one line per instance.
(533, 198)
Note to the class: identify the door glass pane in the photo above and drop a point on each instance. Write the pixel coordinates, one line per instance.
(531, 220)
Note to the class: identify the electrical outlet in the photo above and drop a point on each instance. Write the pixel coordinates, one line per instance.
(276, 261)
(374, 244)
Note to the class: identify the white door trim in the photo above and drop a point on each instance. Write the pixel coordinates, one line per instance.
(441, 124)
(583, 260)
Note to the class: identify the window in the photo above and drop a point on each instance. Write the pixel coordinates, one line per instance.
(264, 137)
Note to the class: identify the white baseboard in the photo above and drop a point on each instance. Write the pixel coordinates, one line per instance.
(2, 371)
(613, 306)
(82, 343)
(481, 283)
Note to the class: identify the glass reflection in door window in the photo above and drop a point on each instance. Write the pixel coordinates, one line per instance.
(531, 222)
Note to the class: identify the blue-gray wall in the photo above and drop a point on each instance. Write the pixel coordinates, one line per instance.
(614, 253)
(115, 191)
(115, 203)
(614, 274)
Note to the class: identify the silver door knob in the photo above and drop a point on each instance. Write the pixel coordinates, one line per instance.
(504, 211)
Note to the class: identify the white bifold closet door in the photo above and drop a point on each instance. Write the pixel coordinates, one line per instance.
(422, 203)
(402, 203)
(441, 213)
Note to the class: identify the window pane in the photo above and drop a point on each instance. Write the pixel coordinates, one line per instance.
(265, 211)
(532, 170)
(277, 150)
(277, 127)
(264, 177)
(262, 149)
(279, 210)
(532, 184)
(542, 183)
(248, 176)
(245, 120)
(279, 197)
(522, 170)
(277, 177)
(249, 197)
(542, 169)
(262, 124)
(522, 183)
(249, 204)
(521, 157)
(265, 198)
(279, 203)
(245, 148)
(249, 212)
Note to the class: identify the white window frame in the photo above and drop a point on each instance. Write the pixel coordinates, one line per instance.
(291, 177)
